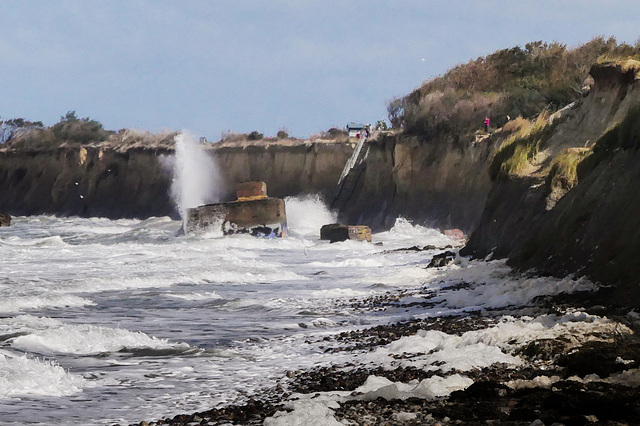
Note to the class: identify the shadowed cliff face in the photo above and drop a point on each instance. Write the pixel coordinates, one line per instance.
(85, 182)
(135, 183)
(594, 227)
(288, 170)
(442, 183)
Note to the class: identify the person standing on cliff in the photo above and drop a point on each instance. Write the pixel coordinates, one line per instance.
(487, 122)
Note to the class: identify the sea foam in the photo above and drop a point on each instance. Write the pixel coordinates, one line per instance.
(23, 376)
(88, 339)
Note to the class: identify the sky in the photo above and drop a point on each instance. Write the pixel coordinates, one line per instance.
(208, 66)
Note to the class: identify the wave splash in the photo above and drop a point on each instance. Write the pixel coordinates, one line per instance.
(196, 178)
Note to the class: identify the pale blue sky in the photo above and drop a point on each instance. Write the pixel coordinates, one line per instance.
(210, 66)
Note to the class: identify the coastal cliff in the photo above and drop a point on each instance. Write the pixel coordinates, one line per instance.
(86, 181)
(441, 182)
(135, 182)
(573, 207)
(288, 169)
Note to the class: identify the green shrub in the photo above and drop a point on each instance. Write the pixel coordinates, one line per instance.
(282, 134)
(33, 139)
(255, 136)
(72, 129)
(334, 133)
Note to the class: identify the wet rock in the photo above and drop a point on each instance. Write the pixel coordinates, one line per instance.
(442, 259)
(543, 349)
(334, 232)
(418, 248)
(480, 390)
(601, 358)
(339, 232)
(5, 219)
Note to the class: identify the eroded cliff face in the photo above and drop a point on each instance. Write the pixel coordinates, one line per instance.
(442, 183)
(135, 182)
(85, 182)
(593, 229)
(288, 170)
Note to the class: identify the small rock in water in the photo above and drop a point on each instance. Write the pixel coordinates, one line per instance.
(5, 219)
(441, 259)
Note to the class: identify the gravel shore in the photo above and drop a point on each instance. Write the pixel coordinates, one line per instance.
(561, 381)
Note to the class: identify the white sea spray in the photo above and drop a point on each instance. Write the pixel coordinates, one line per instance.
(196, 179)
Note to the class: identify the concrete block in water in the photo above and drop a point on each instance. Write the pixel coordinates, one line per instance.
(339, 232)
(262, 217)
(251, 191)
(360, 233)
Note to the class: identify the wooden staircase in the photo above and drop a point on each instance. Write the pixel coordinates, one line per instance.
(350, 174)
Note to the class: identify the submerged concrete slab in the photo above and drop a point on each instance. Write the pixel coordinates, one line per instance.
(262, 218)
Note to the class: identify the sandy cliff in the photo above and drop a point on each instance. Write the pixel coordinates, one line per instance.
(86, 182)
(288, 169)
(589, 226)
(135, 182)
(442, 183)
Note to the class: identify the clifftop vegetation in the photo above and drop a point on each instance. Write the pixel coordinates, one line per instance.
(510, 82)
(21, 134)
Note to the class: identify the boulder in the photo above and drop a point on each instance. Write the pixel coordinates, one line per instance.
(360, 233)
(441, 259)
(340, 232)
(334, 232)
(259, 217)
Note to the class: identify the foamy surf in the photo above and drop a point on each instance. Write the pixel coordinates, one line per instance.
(22, 376)
(128, 311)
(88, 339)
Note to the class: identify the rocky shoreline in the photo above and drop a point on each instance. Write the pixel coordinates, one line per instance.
(571, 380)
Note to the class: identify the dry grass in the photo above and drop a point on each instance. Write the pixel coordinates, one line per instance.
(516, 125)
(132, 138)
(519, 149)
(563, 174)
(627, 64)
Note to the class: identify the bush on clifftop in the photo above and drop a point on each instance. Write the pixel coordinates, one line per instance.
(74, 130)
(510, 82)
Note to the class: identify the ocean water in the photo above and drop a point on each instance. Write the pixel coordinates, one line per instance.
(105, 321)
